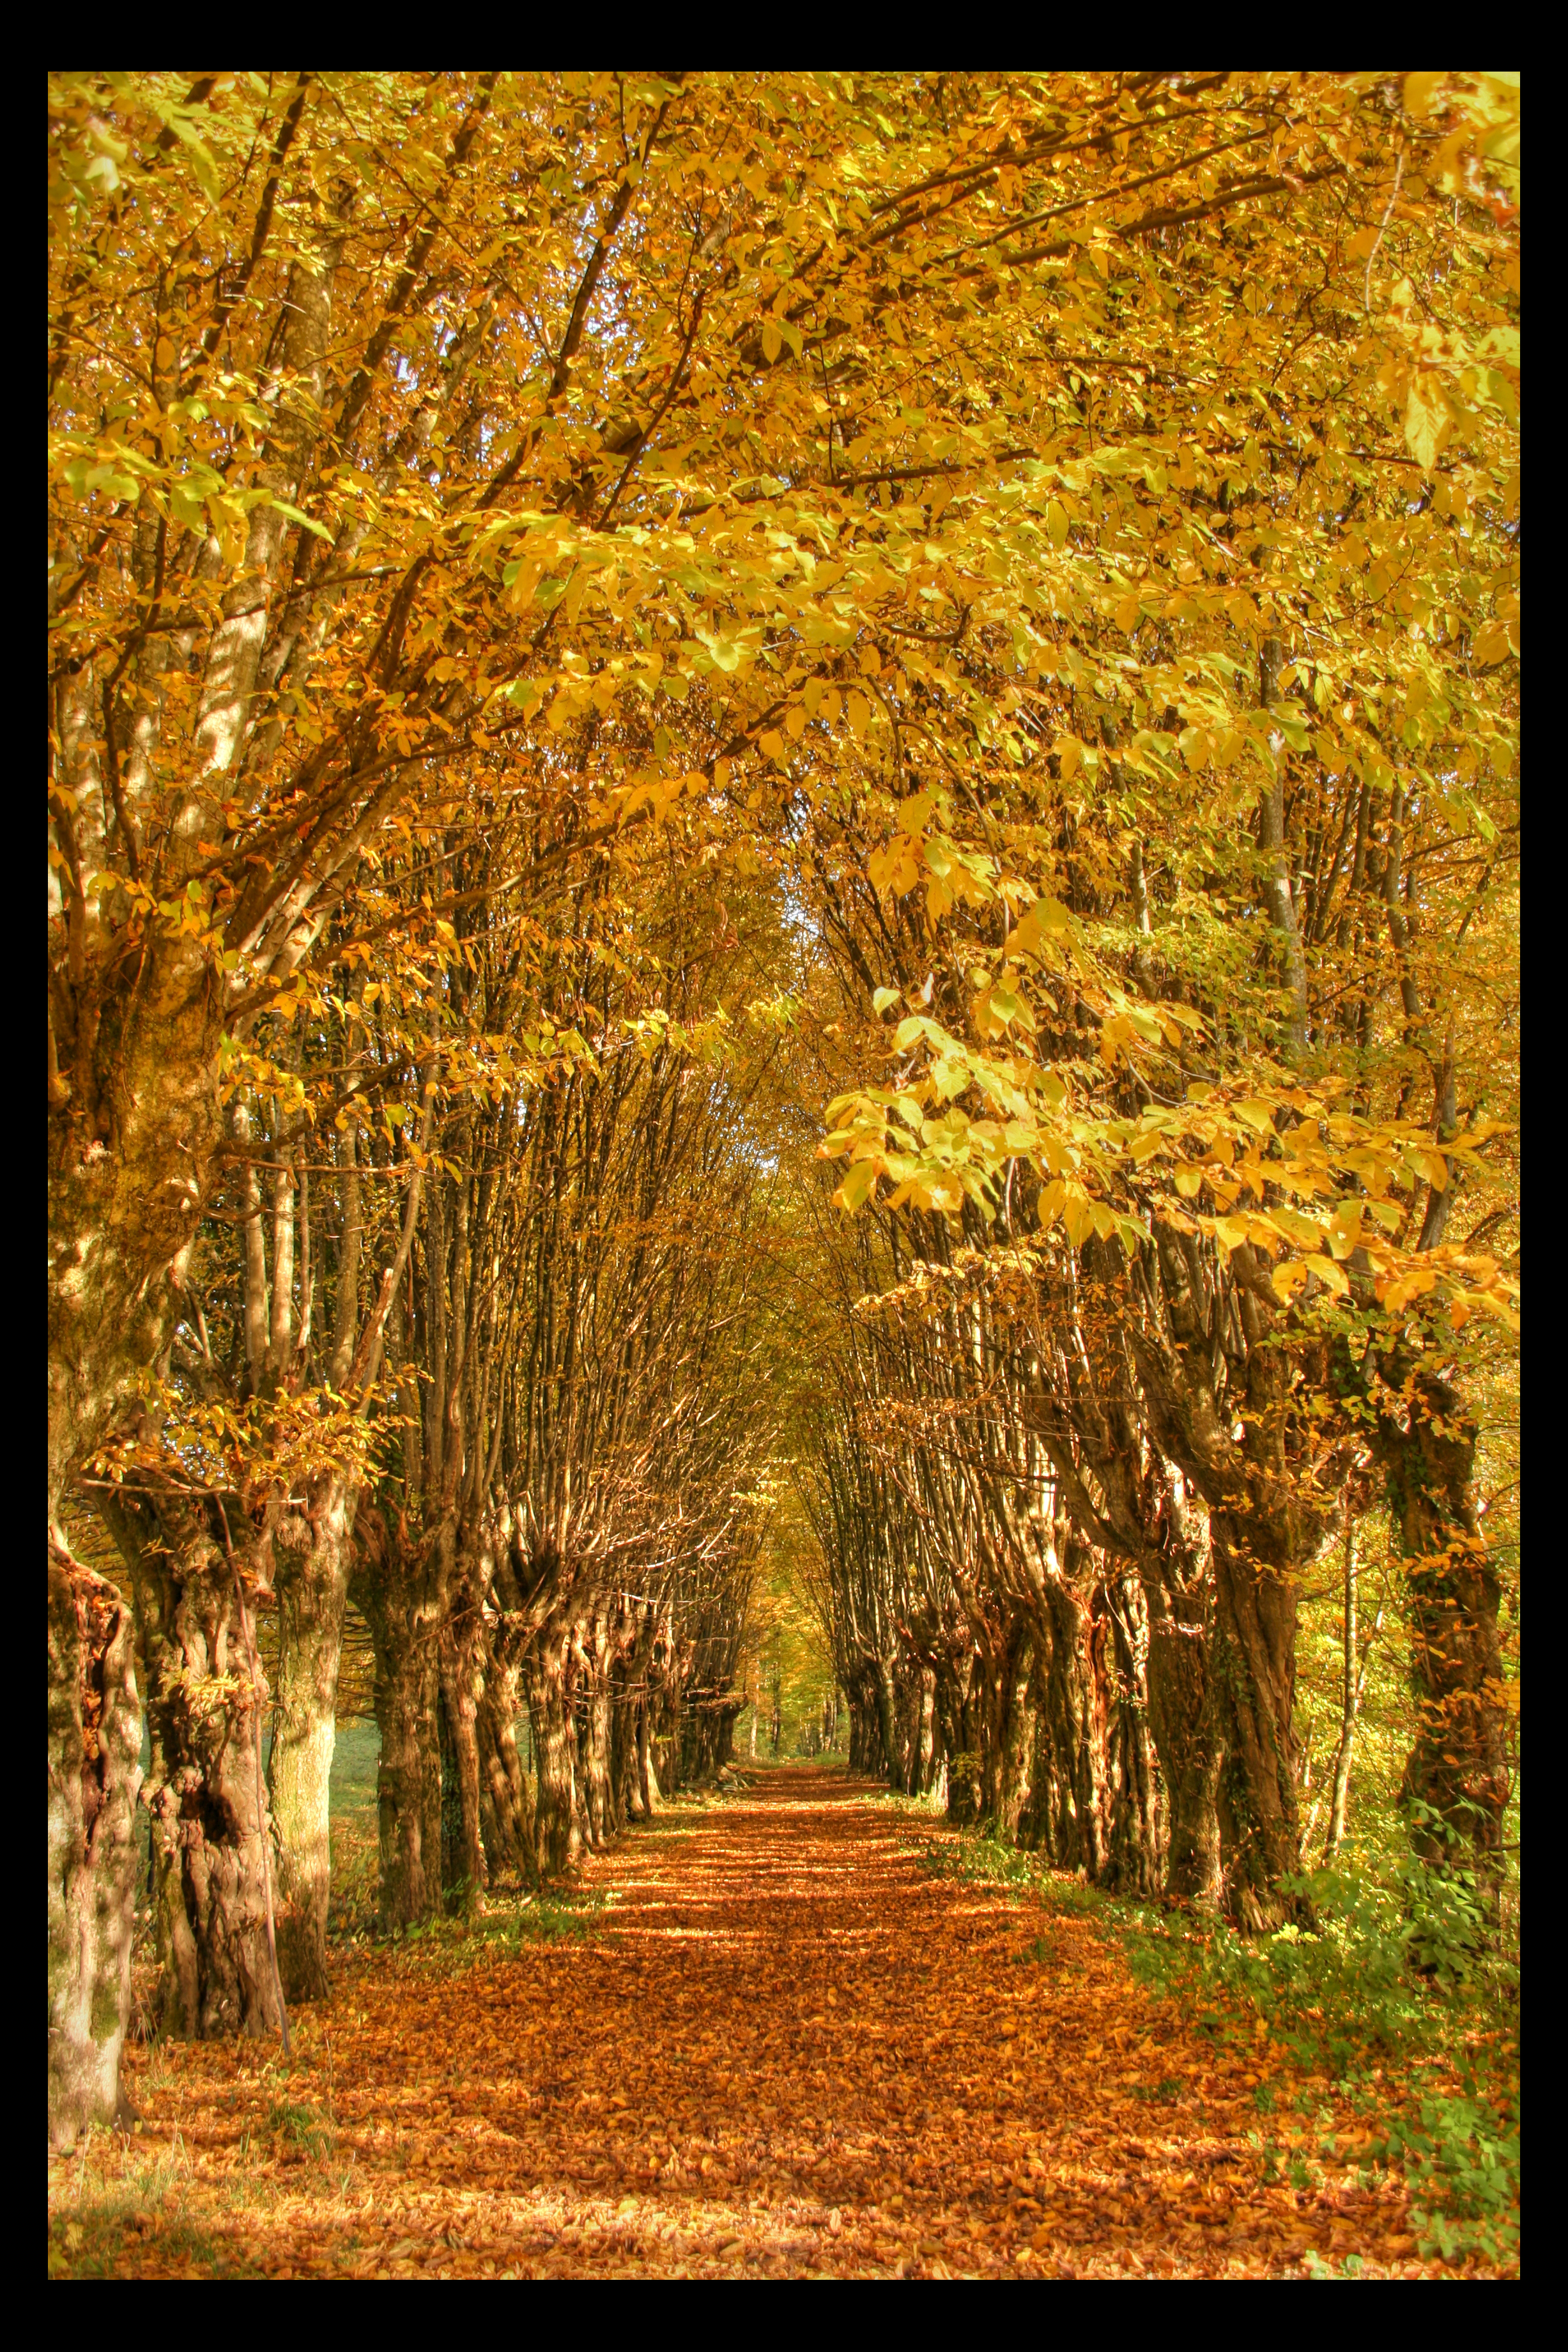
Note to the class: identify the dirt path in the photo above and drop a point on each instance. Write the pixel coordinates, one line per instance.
(784, 2048)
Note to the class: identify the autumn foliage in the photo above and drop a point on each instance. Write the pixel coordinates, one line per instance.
(783, 839)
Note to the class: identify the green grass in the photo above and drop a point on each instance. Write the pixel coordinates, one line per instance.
(112, 2208)
(1398, 2001)
(501, 1927)
(302, 2126)
(356, 1834)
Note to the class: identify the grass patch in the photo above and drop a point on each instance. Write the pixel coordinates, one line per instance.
(932, 1805)
(1399, 1999)
(301, 2126)
(501, 1928)
(979, 1858)
(1394, 1998)
(114, 2204)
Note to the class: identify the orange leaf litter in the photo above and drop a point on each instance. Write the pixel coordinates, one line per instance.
(783, 2050)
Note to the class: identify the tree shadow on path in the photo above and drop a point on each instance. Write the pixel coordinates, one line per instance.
(776, 2045)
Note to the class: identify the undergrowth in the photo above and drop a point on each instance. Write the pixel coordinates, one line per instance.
(113, 2199)
(1397, 1995)
(500, 1926)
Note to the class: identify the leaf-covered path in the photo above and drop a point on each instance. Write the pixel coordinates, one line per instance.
(786, 2047)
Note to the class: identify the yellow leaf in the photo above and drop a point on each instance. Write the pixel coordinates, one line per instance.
(773, 341)
(1304, 1230)
(1428, 422)
(1329, 1274)
(1078, 1216)
(936, 1193)
(772, 745)
(859, 713)
(1045, 916)
(858, 1178)
(1056, 523)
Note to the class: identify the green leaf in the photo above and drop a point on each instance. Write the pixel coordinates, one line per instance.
(308, 523)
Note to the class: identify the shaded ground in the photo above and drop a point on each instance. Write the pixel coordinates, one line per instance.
(761, 2039)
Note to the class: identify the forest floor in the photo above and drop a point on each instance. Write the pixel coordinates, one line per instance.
(764, 2038)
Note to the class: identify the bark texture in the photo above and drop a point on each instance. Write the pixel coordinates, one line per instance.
(95, 1738)
(1457, 1779)
(210, 1820)
(313, 1593)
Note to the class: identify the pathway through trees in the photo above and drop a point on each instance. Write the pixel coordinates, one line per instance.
(785, 2046)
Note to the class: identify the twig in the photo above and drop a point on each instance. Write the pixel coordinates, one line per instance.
(1388, 216)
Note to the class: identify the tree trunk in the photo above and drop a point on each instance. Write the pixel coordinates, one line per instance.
(648, 1775)
(557, 1833)
(390, 1590)
(1254, 1666)
(210, 1820)
(311, 1598)
(1073, 1705)
(965, 1759)
(455, 1887)
(95, 1740)
(1350, 1706)
(1187, 1739)
(597, 1790)
(1216, 1386)
(1019, 1740)
(892, 1746)
(464, 1877)
(506, 1814)
(1137, 1824)
(1457, 1778)
(133, 1123)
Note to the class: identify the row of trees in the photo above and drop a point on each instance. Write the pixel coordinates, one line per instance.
(500, 1384)
(560, 583)
(1088, 1428)
(1079, 1611)
(1094, 1414)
